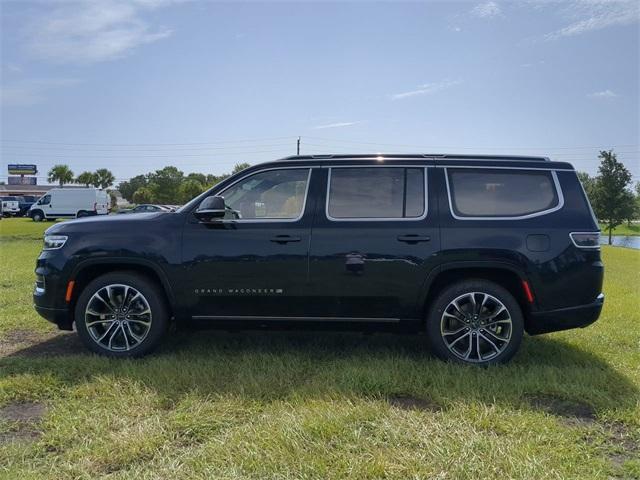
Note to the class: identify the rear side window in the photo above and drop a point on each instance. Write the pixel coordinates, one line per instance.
(501, 193)
(376, 193)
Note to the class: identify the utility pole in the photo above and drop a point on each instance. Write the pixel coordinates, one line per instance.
(298, 147)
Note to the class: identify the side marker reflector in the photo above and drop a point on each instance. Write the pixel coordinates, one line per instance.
(70, 285)
(527, 291)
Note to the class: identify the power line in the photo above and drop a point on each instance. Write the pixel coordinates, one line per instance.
(126, 156)
(63, 149)
(219, 142)
(468, 148)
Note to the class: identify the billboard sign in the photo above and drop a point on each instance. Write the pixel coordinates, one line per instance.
(22, 181)
(22, 169)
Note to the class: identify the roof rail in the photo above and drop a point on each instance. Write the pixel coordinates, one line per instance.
(405, 156)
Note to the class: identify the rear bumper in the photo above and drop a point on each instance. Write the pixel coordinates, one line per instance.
(565, 318)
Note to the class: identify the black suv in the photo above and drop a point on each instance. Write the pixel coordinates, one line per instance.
(470, 250)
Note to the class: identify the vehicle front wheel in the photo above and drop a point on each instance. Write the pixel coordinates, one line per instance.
(121, 314)
(37, 216)
(475, 322)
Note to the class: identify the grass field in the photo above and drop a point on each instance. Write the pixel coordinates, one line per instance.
(624, 229)
(315, 405)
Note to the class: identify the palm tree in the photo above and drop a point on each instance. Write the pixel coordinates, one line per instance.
(103, 178)
(61, 174)
(86, 178)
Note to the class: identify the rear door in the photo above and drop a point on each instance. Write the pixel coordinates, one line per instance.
(374, 242)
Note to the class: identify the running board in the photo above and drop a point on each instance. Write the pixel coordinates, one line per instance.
(296, 319)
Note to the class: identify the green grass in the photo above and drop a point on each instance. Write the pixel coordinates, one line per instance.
(322, 405)
(633, 229)
(21, 228)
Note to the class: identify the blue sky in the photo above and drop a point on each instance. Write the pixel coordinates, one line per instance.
(134, 86)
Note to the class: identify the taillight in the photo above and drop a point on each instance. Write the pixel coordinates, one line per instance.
(585, 239)
(95, 207)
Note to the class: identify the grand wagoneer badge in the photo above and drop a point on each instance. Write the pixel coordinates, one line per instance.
(239, 291)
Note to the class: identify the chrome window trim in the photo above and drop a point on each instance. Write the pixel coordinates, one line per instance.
(586, 198)
(548, 169)
(554, 176)
(594, 247)
(377, 219)
(270, 220)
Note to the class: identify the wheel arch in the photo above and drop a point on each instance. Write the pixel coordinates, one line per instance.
(88, 270)
(37, 210)
(505, 274)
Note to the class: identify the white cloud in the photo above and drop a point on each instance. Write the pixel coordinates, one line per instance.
(31, 92)
(92, 31)
(426, 89)
(591, 15)
(13, 68)
(603, 94)
(336, 125)
(487, 10)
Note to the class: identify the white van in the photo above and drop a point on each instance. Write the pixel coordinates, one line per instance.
(70, 203)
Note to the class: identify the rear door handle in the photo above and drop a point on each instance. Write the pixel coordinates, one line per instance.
(282, 239)
(412, 239)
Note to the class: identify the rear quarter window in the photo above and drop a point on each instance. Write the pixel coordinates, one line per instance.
(501, 193)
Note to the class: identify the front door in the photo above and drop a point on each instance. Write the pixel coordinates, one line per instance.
(374, 242)
(253, 263)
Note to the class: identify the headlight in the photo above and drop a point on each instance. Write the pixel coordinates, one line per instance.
(54, 242)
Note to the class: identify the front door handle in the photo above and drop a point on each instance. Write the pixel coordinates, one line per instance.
(413, 239)
(282, 239)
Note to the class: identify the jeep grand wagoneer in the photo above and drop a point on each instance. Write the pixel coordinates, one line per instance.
(471, 251)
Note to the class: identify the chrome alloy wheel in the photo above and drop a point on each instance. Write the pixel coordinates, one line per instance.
(476, 327)
(118, 317)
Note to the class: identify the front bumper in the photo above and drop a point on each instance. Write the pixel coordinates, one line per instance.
(565, 318)
(58, 316)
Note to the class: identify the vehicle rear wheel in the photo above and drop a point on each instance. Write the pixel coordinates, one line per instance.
(37, 216)
(81, 214)
(475, 322)
(121, 314)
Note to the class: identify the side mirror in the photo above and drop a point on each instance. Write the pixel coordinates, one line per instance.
(210, 209)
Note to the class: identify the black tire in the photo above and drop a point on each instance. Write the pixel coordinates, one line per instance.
(474, 330)
(81, 214)
(151, 293)
(37, 215)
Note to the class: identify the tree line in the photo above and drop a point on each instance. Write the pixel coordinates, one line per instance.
(62, 174)
(170, 186)
(167, 186)
(610, 194)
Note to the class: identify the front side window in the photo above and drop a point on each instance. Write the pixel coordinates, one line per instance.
(45, 200)
(273, 194)
(376, 192)
(501, 193)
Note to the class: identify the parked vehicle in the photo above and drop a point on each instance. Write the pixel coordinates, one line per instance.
(24, 203)
(10, 206)
(146, 208)
(471, 251)
(70, 203)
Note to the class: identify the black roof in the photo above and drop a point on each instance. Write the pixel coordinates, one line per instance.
(407, 156)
